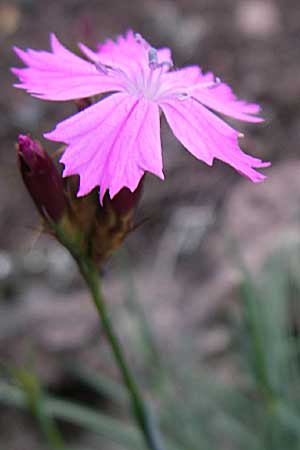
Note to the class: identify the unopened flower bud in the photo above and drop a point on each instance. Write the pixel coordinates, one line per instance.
(41, 178)
(125, 201)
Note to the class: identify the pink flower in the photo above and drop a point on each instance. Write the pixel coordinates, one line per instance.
(113, 142)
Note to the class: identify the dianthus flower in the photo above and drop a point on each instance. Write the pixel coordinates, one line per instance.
(113, 142)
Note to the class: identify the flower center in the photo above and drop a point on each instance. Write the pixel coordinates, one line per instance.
(144, 79)
(141, 76)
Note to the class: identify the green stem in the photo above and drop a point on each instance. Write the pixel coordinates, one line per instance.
(48, 427)
(140, 410)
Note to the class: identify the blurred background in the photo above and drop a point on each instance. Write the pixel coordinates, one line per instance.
(205, 292)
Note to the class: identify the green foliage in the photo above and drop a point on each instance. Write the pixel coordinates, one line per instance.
(86, 418)
(259, 409)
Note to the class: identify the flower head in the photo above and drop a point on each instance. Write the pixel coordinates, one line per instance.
(113, 142)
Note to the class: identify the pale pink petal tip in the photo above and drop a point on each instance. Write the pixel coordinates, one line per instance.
(250, 172)
(214, 93)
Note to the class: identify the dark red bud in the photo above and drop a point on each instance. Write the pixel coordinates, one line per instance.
(126, 200)
(41, 178)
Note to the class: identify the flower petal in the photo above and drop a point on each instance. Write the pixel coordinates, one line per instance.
(218, 97)
(61, 75)
(207, 137)
(125, 53)
(111, 144)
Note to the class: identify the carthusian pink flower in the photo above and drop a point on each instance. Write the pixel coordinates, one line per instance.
(113, 142)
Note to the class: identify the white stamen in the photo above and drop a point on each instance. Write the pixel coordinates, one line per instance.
(169, 64)
(183, 96)
(152, 58)
(108, 70)
(101, 67)
(208, 84)
(188, 92)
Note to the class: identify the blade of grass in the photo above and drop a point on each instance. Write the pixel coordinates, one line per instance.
(99, 383)
(84, 417)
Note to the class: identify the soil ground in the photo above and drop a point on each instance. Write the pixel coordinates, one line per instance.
(180, 256)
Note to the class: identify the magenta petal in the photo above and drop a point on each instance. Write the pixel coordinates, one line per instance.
(207, 137)
(164, 55)
(218, 97)
(221, 98)
(187, 76)
(125, 53)
(111, 144)
(61, 75)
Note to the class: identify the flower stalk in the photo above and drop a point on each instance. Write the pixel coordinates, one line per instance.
(141, 413)
(90, 273)
(91, 233)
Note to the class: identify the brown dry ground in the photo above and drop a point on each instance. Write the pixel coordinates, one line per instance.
(180, 258)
